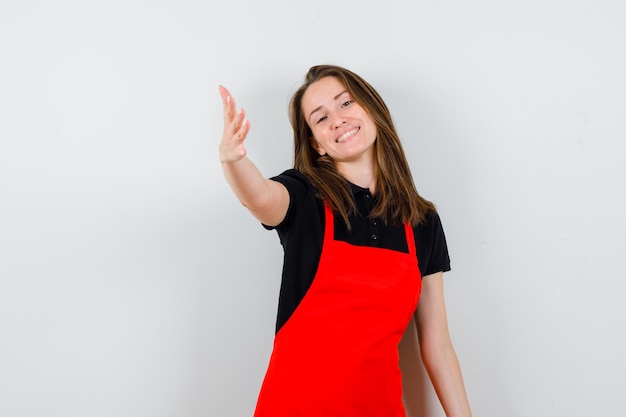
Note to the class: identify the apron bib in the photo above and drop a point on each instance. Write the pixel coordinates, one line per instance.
(337, 355)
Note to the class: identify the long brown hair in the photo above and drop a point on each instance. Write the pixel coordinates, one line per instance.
(399, 201)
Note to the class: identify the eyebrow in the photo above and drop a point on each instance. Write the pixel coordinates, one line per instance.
(319, 107)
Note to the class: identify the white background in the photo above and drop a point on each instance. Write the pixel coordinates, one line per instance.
(132, 283)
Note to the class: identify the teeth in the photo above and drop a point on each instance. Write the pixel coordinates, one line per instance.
(345, 135)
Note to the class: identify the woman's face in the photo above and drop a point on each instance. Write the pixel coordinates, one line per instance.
(341, 127)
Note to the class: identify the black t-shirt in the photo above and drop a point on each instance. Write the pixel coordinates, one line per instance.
(302, 231)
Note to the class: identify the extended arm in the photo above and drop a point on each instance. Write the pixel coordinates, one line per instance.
(438, 354)
(267, 200)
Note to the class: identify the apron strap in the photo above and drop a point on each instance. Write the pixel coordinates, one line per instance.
(410, 238)
(329, 227)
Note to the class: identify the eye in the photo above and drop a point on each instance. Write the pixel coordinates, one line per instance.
(346, 103)
(320, 120)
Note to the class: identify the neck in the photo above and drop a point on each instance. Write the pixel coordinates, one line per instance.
(359, 173)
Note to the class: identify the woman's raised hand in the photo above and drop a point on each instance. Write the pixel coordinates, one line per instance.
(236, 128)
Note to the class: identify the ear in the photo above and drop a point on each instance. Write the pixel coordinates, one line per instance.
(315, 145)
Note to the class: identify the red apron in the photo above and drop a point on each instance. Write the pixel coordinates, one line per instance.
(337, 355)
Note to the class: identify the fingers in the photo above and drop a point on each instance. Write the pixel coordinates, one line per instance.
(238, 121)
(232, 146)
(233, 120)
(240, 137)
(229, 105)
(236, 128)
(243, 131)
(230, 110)
(240, 127)
(224, 93)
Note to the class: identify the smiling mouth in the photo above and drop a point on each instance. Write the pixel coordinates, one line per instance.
(347, 135)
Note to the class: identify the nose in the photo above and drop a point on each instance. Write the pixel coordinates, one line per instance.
(339, 120)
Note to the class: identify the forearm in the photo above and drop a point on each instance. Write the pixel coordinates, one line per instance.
(444, 371)
(247, 182)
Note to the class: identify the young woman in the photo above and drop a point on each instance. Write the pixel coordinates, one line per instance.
(361, 247)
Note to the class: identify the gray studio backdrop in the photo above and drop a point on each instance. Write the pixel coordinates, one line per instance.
(132, 283)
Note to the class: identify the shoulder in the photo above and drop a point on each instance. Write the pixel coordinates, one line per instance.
(292, 178)
(431, 224)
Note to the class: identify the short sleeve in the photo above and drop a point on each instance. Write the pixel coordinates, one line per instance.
(298, 187)
(431, 246)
